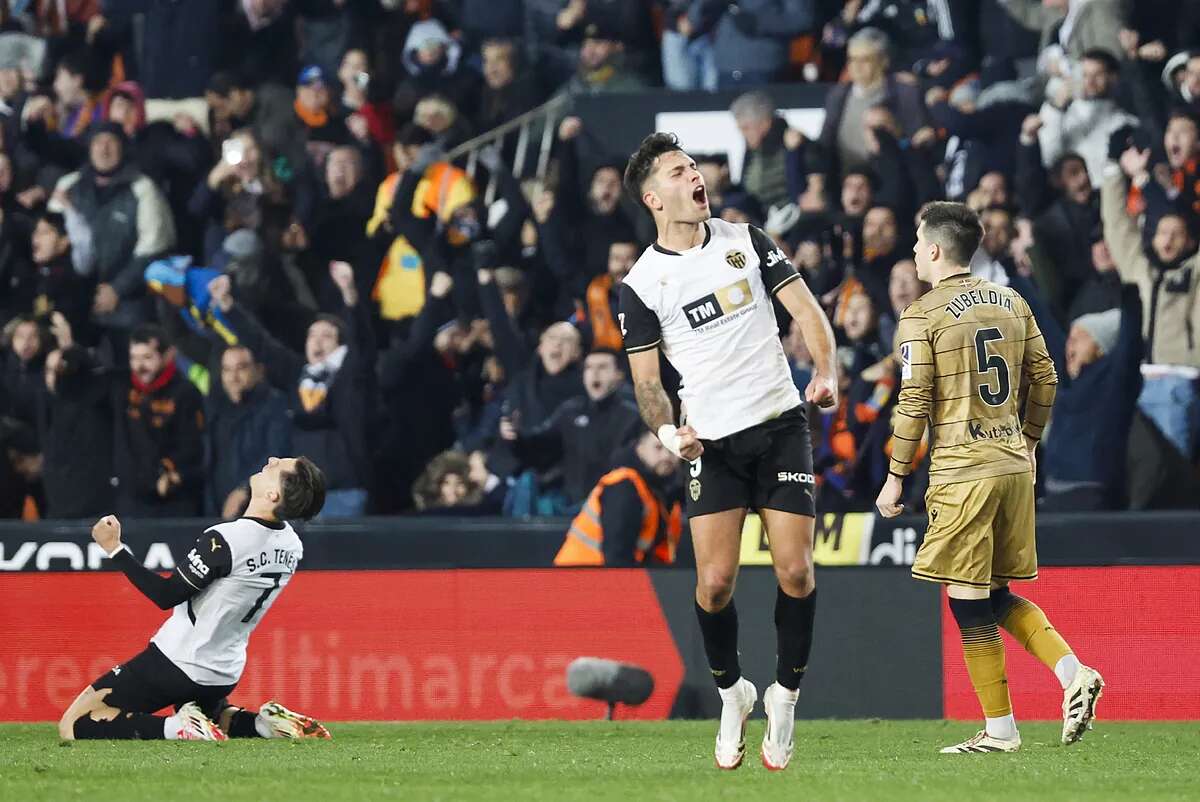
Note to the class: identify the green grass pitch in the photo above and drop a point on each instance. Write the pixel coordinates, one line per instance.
(625, 761)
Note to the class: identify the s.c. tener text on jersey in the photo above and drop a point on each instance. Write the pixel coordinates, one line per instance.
(281, 556)
(964, 301)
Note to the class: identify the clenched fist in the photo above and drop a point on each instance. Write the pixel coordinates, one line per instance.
(107, 533)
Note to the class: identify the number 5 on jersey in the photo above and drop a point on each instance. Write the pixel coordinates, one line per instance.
(988, 362)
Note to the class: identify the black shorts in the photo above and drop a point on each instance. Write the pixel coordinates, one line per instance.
(768, 466)
(149, 682)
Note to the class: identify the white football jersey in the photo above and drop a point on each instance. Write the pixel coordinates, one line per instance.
(710, 310)
(240, 567)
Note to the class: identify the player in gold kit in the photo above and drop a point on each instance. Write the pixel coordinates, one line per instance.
(965, 348)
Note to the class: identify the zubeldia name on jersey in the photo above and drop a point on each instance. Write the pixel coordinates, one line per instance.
(959, 304)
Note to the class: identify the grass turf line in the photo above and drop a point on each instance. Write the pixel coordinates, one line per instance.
(625, 761)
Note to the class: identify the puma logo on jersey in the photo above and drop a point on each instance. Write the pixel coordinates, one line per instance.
(199, 568)
(791, 476)
(215, 544)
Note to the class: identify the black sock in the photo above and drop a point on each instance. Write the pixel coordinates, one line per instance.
(126, 726)
(720, 631)
(1002, 600)
(241, 725)
(794, 628)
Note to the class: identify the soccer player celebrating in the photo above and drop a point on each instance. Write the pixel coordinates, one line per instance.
(702, 295)
(233, 574)
(966, 346)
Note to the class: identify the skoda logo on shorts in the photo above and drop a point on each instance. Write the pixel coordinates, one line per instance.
(735, 259)
(694, 489)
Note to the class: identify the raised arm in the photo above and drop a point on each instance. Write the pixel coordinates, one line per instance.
(283, 365)
(1121, 232)
(207, 561)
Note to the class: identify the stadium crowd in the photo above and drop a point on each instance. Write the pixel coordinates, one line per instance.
(230, 229)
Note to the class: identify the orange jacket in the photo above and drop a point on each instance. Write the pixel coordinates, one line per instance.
(605, 331)
(657, 538)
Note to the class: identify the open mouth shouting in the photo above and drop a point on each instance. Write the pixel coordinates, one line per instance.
(700, 197)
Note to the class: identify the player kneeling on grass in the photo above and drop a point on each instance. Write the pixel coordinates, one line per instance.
(231, 576)
(966, 347)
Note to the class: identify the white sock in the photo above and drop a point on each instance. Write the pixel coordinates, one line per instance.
(1004, 727)
(730, 694)
(263, 728)
(171, 725)
(1065, 669)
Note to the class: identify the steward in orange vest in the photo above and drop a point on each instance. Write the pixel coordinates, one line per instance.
(631, 517)
(599, 307)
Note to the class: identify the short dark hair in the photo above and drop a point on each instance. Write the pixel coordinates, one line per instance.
(1056, 167)
(1183, 113)
(999, 207)
(602, 351)
(74, 62)
(225, 82)
(865, 172)
(302, 491)
(955, 227)
(412, 134)
(336, 322)
(1103, 56)
(147, 333)
(55, 221)
(641, 163)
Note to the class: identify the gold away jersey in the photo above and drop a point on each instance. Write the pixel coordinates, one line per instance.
(965, 347)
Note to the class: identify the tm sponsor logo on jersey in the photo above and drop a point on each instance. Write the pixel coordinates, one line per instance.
(716, 305)
(963, 301)
(994, 433)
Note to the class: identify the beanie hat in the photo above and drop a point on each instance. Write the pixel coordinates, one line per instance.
(1101, 327)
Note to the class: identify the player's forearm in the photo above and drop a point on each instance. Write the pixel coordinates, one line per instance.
(818, 336)
(814, 326)
(912, 413)
(165, 592)
(1037, 409)
(654, 404)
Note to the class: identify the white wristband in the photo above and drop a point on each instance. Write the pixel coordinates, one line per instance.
(668, 435)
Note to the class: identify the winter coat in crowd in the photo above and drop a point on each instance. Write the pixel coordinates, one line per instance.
(751, 39)
(240, 437)
(75, 429)
(130, 221)
(330, 403)
(582, 436)
(1170, 293)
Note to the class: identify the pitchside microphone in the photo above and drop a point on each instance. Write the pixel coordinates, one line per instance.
(609, 681)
